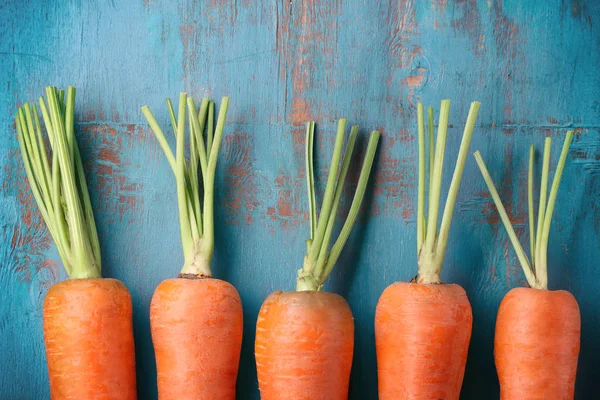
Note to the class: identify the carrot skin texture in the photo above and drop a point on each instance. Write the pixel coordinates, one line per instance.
(197, 327)
(304, 346)
(88, 334)
(536, 345)
(422, 334)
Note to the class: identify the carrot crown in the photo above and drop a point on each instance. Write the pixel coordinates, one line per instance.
(196, 223)
(536, 271)
(319, 259)
(58, 182)
(431, 249)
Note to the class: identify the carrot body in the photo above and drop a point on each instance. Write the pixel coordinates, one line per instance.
(197, 329)
(537, 344)
(422, 334)
(89, 340)
(304, 345)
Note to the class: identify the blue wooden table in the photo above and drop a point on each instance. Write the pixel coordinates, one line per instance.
(534, 65)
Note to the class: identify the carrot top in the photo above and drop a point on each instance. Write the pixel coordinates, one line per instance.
(431, 249)
(536, 270)
(320, 259)
(59, 185)
(196, 223)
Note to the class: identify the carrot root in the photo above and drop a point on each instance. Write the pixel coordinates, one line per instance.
(536, 345)
(88, 334)
(422, 334)
(197, 329)
(304, 346)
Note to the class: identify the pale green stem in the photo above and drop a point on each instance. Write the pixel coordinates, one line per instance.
(83, 262)
(422, 176)
(543, 260)
(339, 188)
(210, 127)
(531, 209)
(310, 178)
(523, 260)
(355, 207)
(198, 134)
(431, 155)
(463, 152)
(161, 137)
(434, 195)
(328, 197)
(543, 193)
(182, 198)
(172, 116)
(208, 238)
(193, 196)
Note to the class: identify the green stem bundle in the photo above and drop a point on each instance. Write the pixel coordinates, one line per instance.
(536, 271)
(320, 259)
(431, 248)
(59, 187)
(196, 221)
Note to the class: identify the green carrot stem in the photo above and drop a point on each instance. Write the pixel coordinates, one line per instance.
(543, 260)
(310, 178)
(210, 130)
(542, 205)
(463, 152)
(339, 187)
(355, 207)
(196, 131)
(530, 208)
(328, 197)
(422, 176)
(209, 185)
(182, 199)
(434, 195)
(431, 154)
(523, 260)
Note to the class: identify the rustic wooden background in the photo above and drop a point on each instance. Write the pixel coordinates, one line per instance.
(534, 65)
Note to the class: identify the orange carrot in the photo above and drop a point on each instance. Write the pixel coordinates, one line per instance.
(305, 339)
(422, 333)
(197, 333)
(89, 340)
(304, 345)
(87, 320)
(423, 328)
(536, 346)
(196, 320)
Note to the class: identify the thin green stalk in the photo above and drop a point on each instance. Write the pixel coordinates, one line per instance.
(523, 260)
(197, 133)
(543, 192)
(431, 155)
(192, 183)
(531, 210)
(422, 176)
(463, 152)
(210, 127)
(182, 199)
(355, 207)
(434, 194)
(172, 116)
(328, 197)
(339, 187)
(543, 260)
(209, 186)
(310, 178)
(160, 136)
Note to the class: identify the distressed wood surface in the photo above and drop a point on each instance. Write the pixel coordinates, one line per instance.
(532, 64)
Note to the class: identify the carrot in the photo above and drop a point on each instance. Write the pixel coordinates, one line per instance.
(87, 320)
(423, 328)
(291, 364)
(195, 319)
(305, 339)
(538, 331)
